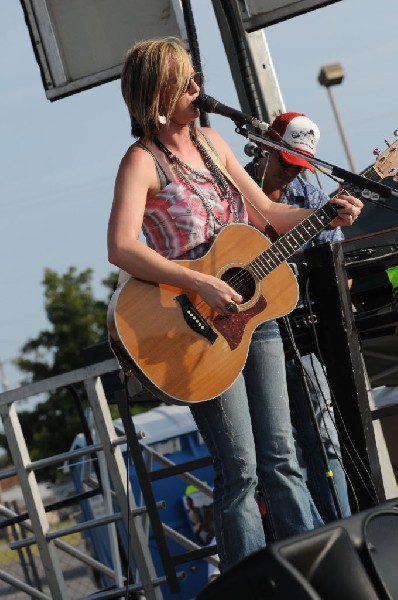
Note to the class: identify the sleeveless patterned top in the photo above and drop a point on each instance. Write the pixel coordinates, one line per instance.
(176, 223)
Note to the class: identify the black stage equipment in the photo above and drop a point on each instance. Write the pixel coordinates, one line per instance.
(111, 381)
(352, 559)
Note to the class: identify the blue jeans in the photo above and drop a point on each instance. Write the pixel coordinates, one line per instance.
(308, 444)
(248, 432)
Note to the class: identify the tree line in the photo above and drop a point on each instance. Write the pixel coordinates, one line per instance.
(76, 321)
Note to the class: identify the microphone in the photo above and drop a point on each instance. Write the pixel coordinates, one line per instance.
(211, 105)
(251, 149)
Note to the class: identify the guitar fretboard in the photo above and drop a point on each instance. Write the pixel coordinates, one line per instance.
(292, 241)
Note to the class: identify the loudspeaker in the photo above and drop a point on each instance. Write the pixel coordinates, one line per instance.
(352, 559)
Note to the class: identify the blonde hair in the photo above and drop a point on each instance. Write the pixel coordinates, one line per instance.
(145, 75)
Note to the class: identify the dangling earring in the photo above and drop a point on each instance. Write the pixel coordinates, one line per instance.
(162, 119)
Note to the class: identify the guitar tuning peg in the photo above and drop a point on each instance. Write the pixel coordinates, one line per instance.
(396, 133)
(376, 152)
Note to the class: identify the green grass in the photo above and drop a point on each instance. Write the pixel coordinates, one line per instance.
(8, 556)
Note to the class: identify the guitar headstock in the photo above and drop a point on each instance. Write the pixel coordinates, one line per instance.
(386, 164)
(384, 171)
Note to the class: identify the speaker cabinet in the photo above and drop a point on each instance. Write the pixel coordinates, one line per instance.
(351, 559)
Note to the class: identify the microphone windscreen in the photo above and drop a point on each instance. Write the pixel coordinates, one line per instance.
(251, 149)
(205, 103)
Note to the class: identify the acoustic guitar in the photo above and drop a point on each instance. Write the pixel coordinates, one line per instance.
(176, 344)
(180, 349)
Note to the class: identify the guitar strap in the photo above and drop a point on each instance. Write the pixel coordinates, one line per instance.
(268, 230)
(217, 159)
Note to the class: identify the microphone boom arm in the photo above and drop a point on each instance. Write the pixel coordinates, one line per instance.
(209, 104)
(362, 182)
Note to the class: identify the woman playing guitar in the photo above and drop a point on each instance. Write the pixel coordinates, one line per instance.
(183, 187)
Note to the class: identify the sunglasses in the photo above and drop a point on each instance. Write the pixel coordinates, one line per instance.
(197, 78)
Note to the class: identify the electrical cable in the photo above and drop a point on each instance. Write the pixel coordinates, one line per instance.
(335, 406)
(317, 389)
(307, 304)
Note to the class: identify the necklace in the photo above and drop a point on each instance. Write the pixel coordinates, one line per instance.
(216, 179)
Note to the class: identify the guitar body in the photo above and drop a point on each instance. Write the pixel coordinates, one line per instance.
(176, 345)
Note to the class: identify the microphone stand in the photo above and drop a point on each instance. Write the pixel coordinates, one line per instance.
(357, 180)
(312, 379)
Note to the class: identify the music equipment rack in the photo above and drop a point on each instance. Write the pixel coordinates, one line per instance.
(366, 259)
(341, 319)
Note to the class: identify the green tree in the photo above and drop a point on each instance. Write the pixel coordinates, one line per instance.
(77, 320)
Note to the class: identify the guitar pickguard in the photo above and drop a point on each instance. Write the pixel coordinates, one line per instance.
(233, 326)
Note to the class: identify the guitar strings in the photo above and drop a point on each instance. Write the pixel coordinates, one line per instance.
(268, 260)
(277, 253)
(369, 174)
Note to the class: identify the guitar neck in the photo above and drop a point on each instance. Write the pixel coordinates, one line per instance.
(292, 241)
(304, 232)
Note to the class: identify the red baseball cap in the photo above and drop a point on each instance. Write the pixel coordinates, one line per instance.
(299, 132)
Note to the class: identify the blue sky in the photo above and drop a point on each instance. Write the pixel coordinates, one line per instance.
(59, 160)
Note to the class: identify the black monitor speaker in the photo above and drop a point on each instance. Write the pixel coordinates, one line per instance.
(353, 559)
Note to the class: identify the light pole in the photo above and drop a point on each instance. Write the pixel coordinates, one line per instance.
(329, 76)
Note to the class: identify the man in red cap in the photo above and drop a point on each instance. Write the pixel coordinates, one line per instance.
(278, 173)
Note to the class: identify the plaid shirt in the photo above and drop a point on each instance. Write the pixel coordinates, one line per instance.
(303, 194)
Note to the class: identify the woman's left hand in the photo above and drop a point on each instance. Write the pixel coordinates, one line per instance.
(349, 210)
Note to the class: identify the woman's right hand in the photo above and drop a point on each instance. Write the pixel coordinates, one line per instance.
(218, 294)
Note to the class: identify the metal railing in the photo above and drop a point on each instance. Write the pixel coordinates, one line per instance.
(35, 523)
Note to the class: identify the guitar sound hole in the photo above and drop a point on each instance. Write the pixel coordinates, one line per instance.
(241, 281)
